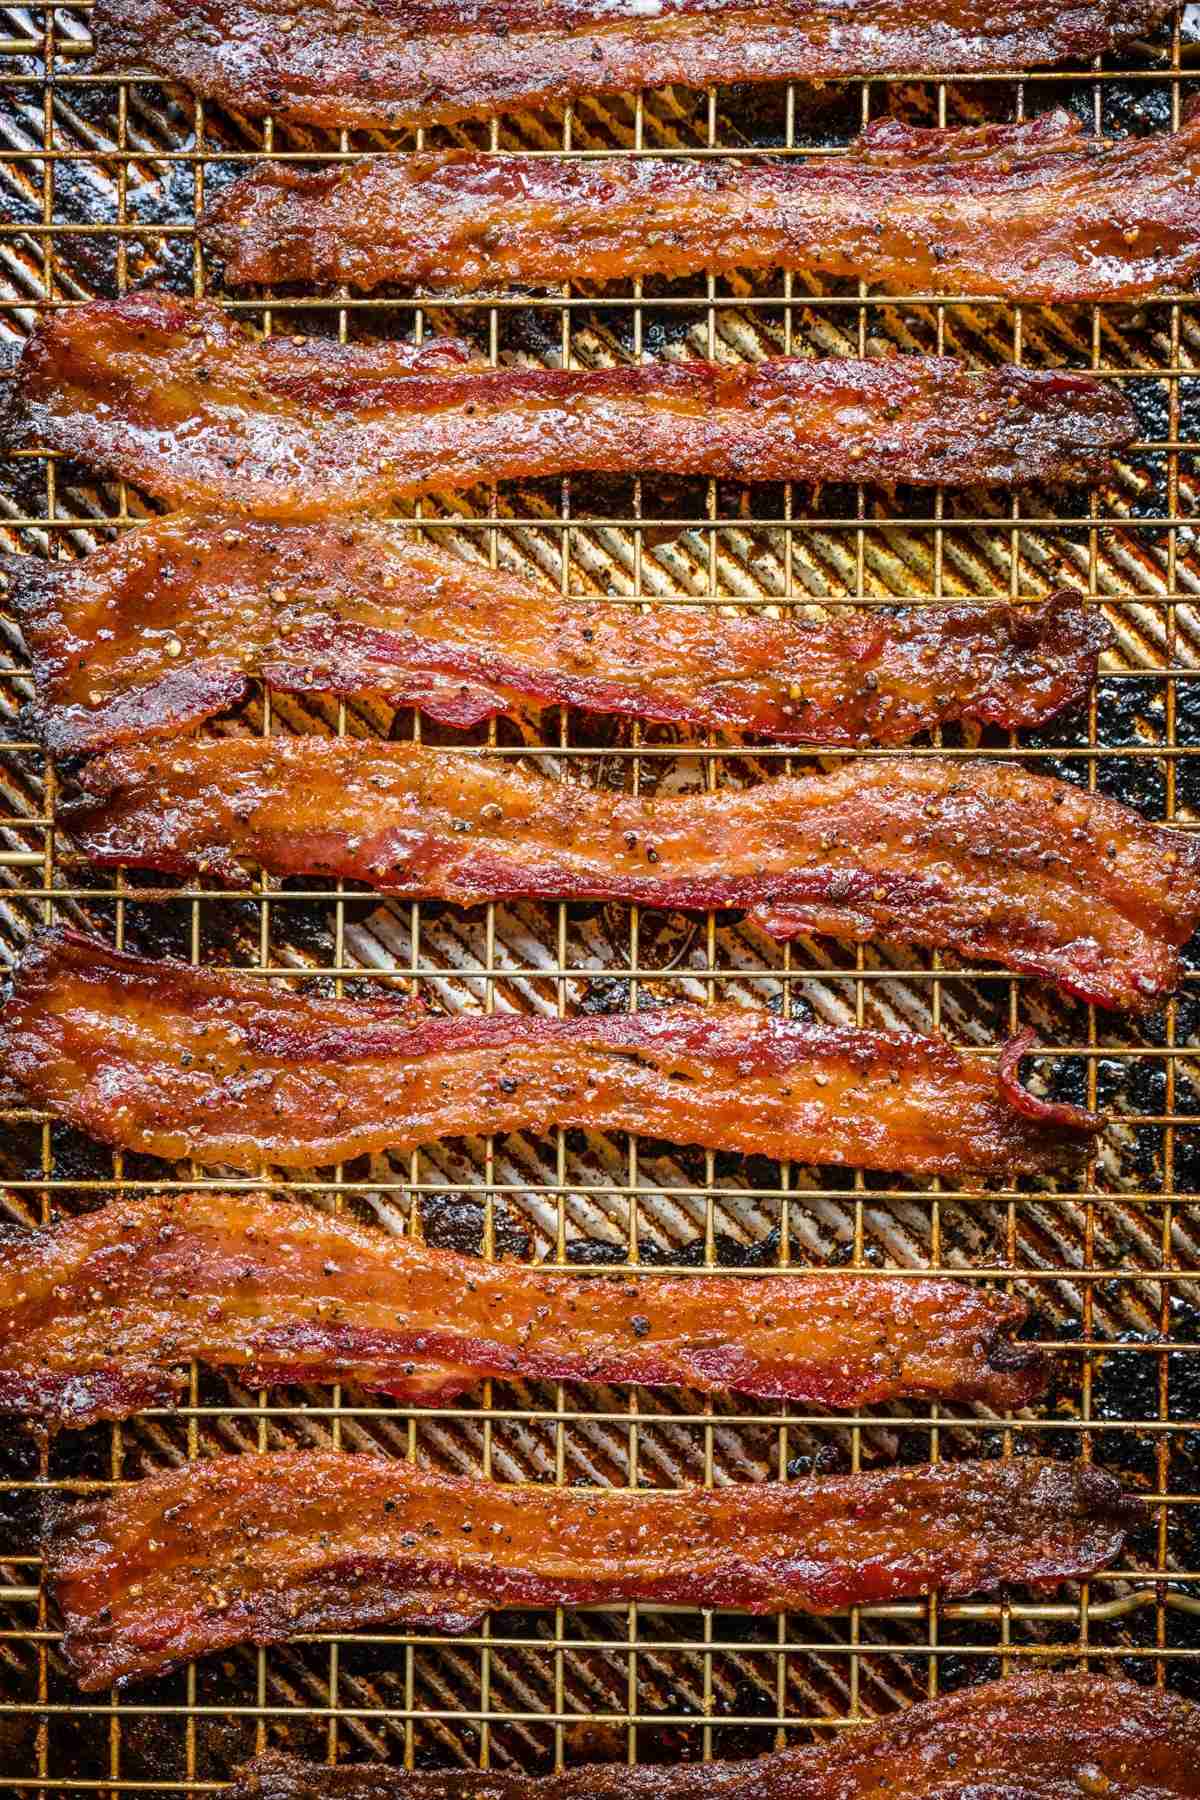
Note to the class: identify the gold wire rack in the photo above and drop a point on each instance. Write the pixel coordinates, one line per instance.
(102, 180)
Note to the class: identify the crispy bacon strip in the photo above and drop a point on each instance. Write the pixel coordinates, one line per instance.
(226, 1068)
(981, 857)
(1035, 211)
(96, 1311)
(173, 396)
(404, 62)
(1031, 1737)
(148, 1577)
(168, 625)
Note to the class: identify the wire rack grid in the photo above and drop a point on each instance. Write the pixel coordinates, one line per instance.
(103, 179)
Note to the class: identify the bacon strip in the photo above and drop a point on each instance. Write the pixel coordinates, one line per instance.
(168, 625)
(404, 62)
(95, 1312)
(261, 1548)
(1035, 211)
(1031, 1737)
(226, 1068)
(173, 396)
(981, 857)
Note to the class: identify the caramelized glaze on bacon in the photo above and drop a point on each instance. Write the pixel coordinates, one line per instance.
(167, 625)
(261, 1548)
(1035, 211)
(174, 397)
(403, 62)
(1030, 1737)
(96, 1311)
(981, 857)
(227, 1068)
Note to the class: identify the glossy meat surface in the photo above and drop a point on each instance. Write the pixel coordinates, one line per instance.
(174, 397)
(262, 1548)
(168, 625)
(1051, 1736)
(401, 62)
(226, 1068)
(1035, 211)
(981, 857)
(96, 1312)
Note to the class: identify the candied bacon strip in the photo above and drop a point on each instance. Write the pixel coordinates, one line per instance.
(981, 857)
(408, 62)
(1029, 1737)
(226, 1068)
(167, 626)
(147, 1577)
(96, 1311)
(1034, 211)
(173, 396)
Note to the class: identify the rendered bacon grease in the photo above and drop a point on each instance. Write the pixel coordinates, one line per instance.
(229, 1069)
(405, 62)
(171, 395)
(1040, 1736)
(1036, 211)
(169, 624)
(980, 857)
(97, 1312)
(258, 1549)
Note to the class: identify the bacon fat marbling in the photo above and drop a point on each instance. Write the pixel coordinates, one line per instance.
(232, 1069)
(173, 396)
(1038, 1736)
(1038, 211)
(262, 1548)
(97, 1312)
(169, 624)
(404, 62)
(981, 857)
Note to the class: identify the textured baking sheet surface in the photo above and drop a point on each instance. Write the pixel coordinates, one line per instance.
(100, 182)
